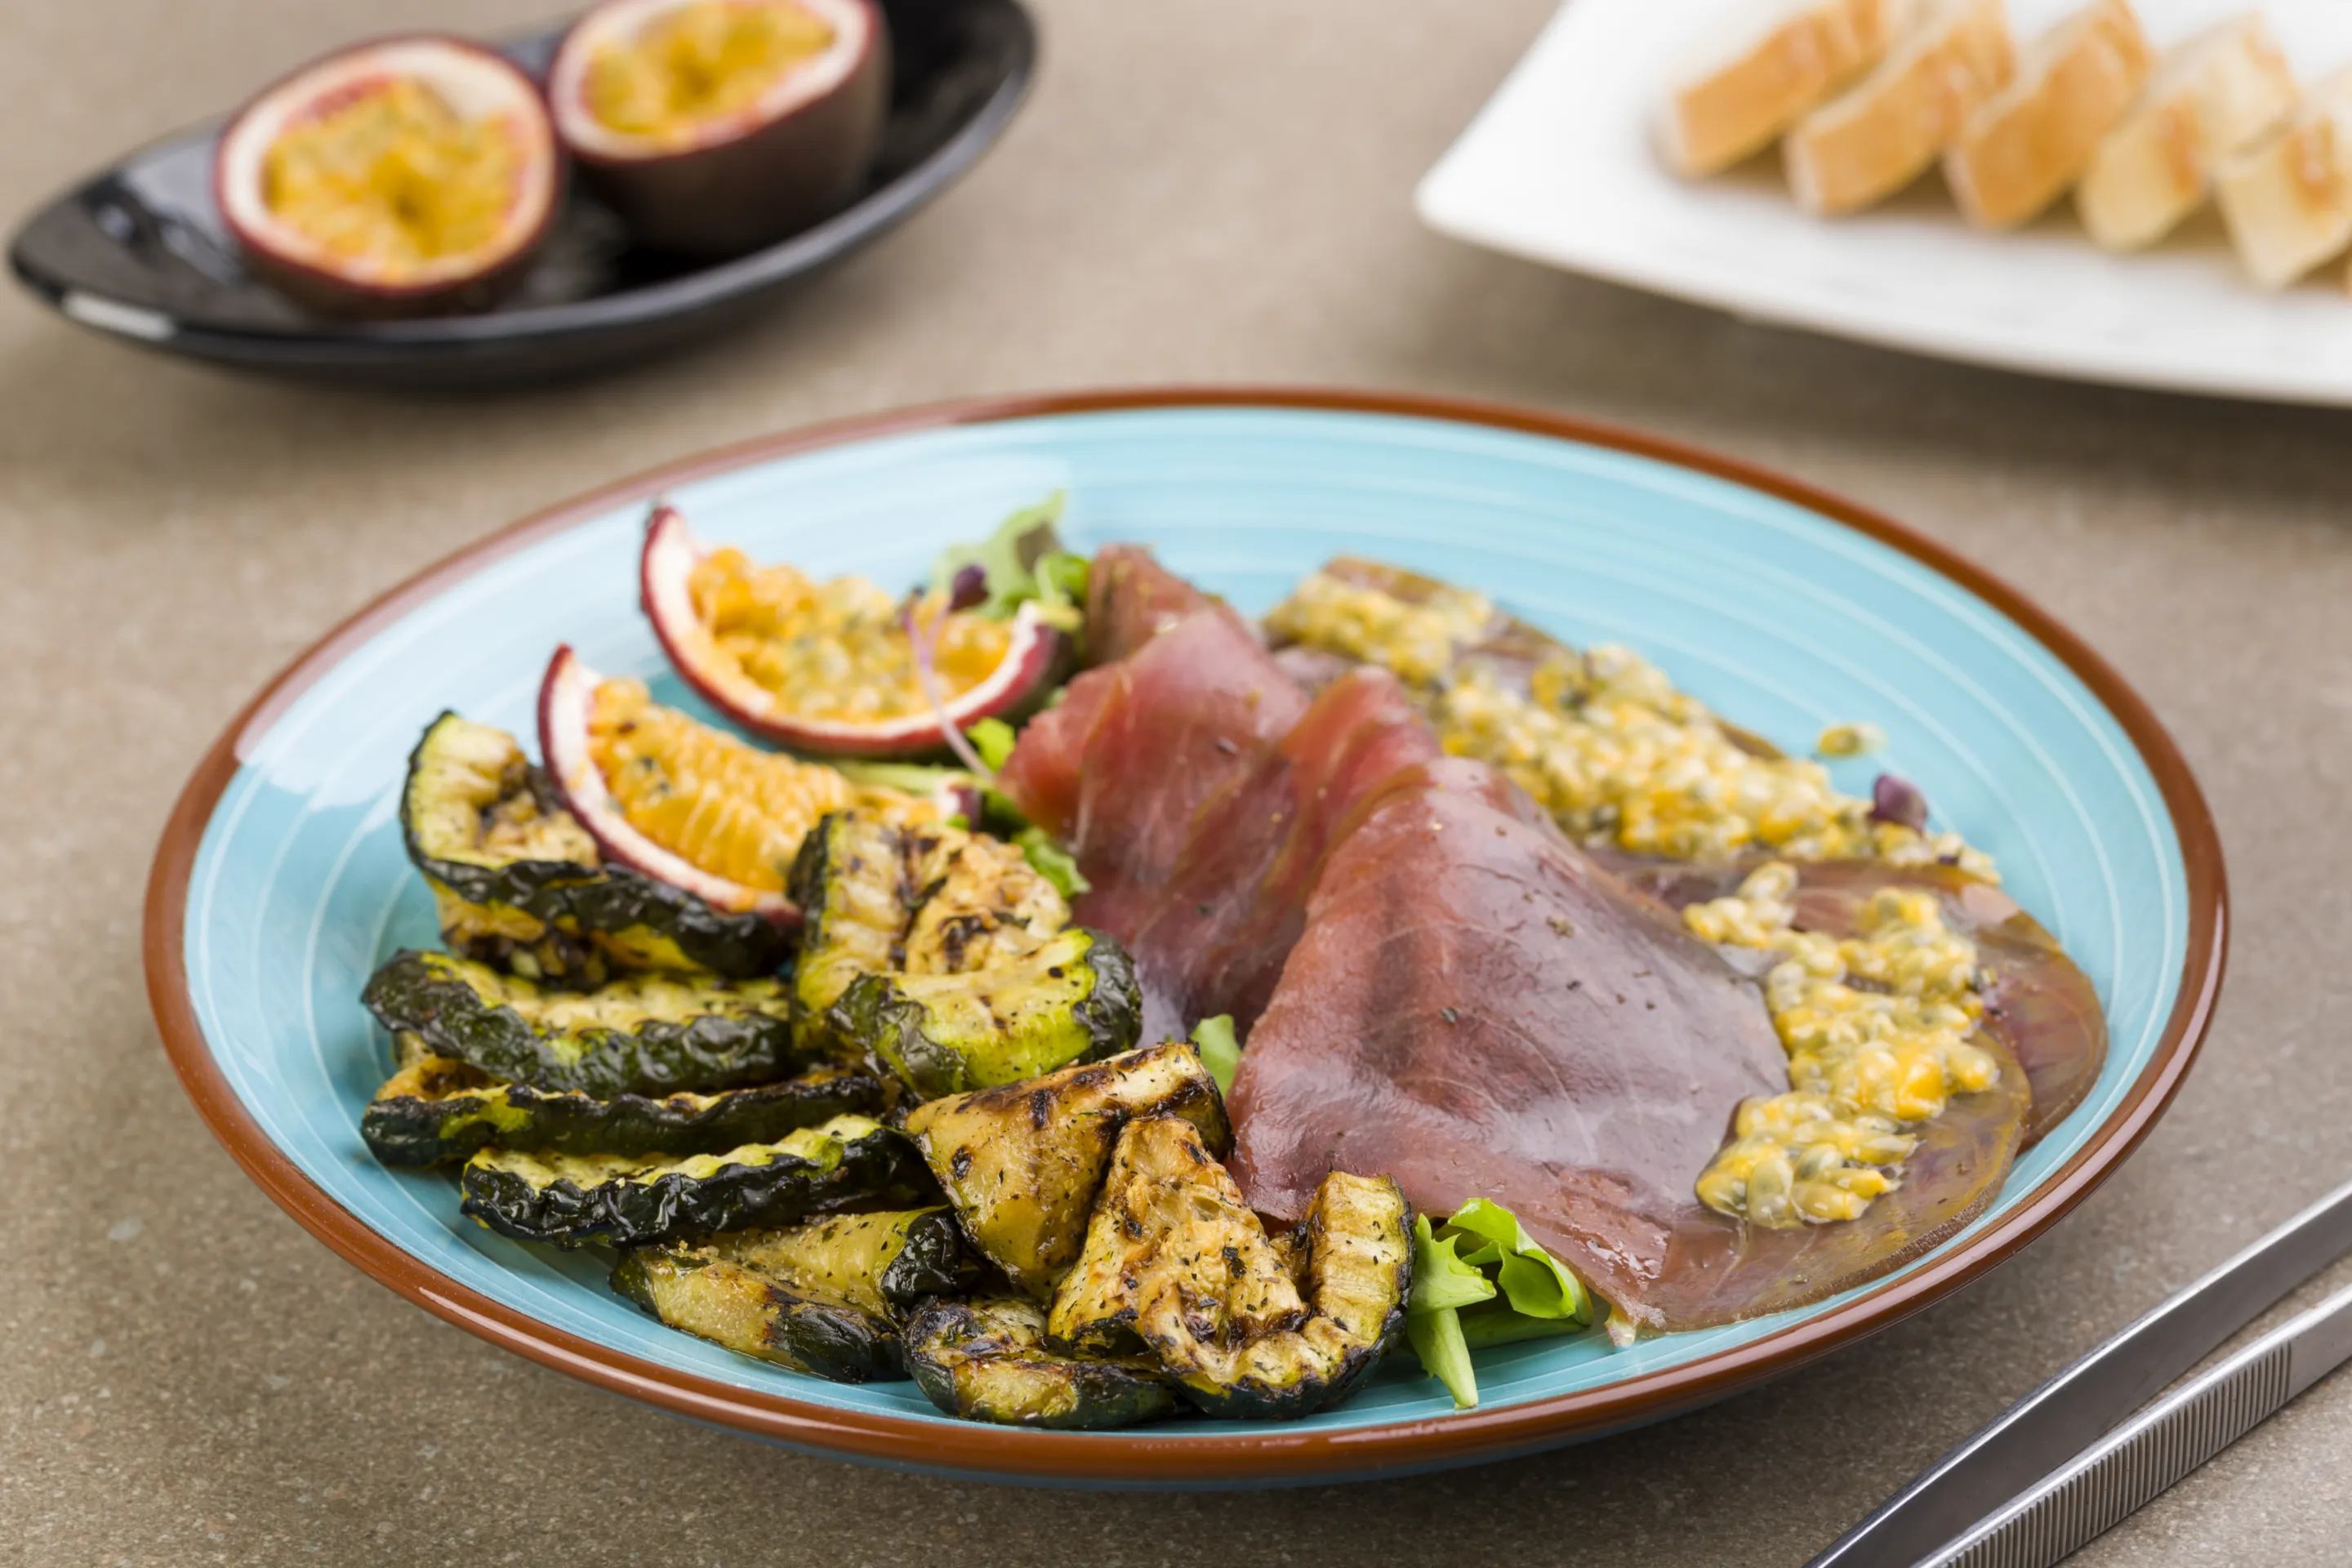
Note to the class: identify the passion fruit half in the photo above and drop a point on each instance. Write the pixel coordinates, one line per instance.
(828, 668)
(667, 794)
(406, 177)
(714, 127)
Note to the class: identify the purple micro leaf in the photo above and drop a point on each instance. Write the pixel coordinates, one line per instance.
(970, 588)
(1896, 799)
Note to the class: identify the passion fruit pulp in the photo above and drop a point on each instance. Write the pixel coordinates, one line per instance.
(692, 806)
(714, 127)
(828, 667)
(401, 177)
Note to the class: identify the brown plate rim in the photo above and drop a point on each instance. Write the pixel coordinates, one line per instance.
(1256, 1455)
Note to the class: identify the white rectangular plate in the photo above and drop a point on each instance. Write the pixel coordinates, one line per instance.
(1559, 167)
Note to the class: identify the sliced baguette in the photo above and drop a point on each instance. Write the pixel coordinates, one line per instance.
(2287, 197)
(1770, 61)
(1877, 137)
(2210, 95)
(2022, 149)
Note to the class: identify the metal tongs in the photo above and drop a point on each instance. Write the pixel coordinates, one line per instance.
(2056, 1470)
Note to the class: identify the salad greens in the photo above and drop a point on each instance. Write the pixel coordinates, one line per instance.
(1220, 1052)
(1023, 562)
(1480, 1279)
(1050, 861)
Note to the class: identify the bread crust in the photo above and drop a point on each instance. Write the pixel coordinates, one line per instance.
(2022, 149)
(1883, 132)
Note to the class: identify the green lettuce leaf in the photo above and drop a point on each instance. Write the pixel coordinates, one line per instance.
(1050, 861)
(1536, 1283)
(993, 739)
(1024, 562)
(1442, 1284)
(1480, 1279)
(1220, 1052)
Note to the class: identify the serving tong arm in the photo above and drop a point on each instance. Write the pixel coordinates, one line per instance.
(2012, 1477)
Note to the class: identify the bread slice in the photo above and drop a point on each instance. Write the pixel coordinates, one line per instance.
(2208, 96)
(2022, 149)
(1876, 138)
(2287, 196)
(1765, 64)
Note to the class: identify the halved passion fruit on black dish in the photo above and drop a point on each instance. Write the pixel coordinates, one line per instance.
(828, 666)
(402, 177)
(715, 127)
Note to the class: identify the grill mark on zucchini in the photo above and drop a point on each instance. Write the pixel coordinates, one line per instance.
(697, 1291)
(1174, 1260)
(1022, 1162)
(645, 1035)
(988, 1361)
(518, 884)
(849, 1161)
(438, 1110)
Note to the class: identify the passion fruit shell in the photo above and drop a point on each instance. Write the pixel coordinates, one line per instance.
(475, 83)
(727, 184)
(1034, 656)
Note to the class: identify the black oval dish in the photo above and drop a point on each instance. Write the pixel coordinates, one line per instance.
(140, 252)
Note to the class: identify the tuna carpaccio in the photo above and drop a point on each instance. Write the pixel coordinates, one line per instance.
(1436, 986)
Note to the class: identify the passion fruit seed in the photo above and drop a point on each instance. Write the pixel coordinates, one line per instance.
(837, 649)
(724, 806)
(392, 174)
(703, 62)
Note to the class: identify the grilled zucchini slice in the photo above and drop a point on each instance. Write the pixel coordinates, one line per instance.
(1073, 999)
(701, 1291)
(944, 957)
(850, 1162)
(880, 1264)
(1175, 1261)
(437, 1110)
(1021, 1162)
(988, 1361)
(518, 883)
(645, 1034)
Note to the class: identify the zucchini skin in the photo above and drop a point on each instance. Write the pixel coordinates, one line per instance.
(745, 1038)
(567, 920)
(754, 1315)
(404, 1127)
(850, 1162)
(988, 1361)
(877, 1019)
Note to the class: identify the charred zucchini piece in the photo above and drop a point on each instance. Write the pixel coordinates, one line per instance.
(988, 1361)
(518, 883)
(897, 915)
(1175, 1259)
(439, 1109)
(1021, 1162)
(850, 1162)
(880, 1264)
(645, 1034)
(1073, 999)
(698, 1291)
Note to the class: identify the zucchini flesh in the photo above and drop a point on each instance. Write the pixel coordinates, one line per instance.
(1073, 999)
(518, 883)
(1021, 1162)
(438, 1110)
(645, 1034)
(988, 1361)
(699, 1292)
(880, 1263)
(1175, 1260)
(849, 1161)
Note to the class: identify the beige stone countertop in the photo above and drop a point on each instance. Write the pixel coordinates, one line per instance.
(1211, 190)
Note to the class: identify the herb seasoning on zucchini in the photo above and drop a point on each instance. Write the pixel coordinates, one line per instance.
(698, 1291)
(645, 1034)
(988, 1361)
(1021, 1162)
(518, 883)
(946, 957)
(438, 1110)
(880, 1264)
(849, 1161)
(1175, 1261)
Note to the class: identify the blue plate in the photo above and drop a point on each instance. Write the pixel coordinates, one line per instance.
(282, 882)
